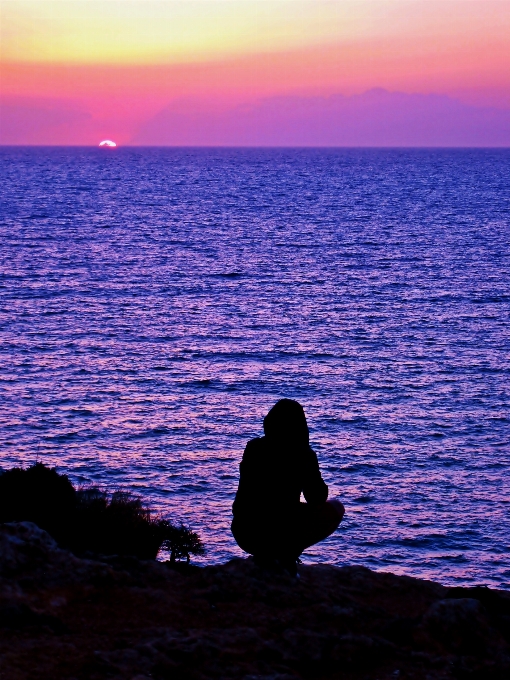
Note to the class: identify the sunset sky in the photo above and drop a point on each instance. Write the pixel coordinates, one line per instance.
(76, 71)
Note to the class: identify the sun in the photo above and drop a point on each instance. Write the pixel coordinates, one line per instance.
(107, 142)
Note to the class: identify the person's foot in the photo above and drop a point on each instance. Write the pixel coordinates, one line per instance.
(278, 565)
(289, 565)
(266, 562)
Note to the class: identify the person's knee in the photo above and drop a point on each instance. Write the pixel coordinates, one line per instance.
(338, 509)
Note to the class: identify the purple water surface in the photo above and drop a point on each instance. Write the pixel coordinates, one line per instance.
(156, 302)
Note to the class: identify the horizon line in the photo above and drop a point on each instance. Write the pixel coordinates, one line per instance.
(240, 146)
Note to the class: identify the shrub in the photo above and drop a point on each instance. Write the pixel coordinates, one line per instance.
(114, 525)
(40, 495)
(90, 520)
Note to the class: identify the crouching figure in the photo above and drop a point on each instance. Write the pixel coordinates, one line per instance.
(270, 522)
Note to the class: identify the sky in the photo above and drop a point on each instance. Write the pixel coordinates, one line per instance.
(257, 72)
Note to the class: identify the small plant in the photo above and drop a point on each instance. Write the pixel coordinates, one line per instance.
(182, 542)
(91, 520)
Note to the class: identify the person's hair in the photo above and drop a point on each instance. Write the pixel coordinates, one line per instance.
(287, 421)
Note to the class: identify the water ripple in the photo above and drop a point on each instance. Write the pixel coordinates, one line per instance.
(154, 303)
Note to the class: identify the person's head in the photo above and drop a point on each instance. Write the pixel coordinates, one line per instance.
(286, 421)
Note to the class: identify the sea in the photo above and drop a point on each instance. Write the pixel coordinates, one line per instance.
(156, 302)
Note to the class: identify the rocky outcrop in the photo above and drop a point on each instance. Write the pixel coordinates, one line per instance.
(121, 618)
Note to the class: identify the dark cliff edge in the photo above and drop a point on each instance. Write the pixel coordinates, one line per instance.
(64, 617)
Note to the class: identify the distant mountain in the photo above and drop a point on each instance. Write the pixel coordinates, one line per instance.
(375, 118)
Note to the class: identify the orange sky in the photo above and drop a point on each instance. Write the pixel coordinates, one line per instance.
(124, 60)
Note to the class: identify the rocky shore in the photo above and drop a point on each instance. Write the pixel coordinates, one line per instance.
(62, 617)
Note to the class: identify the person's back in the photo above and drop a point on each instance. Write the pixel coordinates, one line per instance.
(273, 476)
(269, 519)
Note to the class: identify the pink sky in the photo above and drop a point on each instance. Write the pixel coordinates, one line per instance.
(208, 72)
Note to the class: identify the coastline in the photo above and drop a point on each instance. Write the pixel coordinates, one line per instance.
(63, 617)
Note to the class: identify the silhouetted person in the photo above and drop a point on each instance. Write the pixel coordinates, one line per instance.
(270, 522)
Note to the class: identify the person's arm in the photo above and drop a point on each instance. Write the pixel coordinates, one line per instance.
(315, 489)
(247, 489)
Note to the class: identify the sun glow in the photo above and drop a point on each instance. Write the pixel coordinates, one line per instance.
(173, 31)
(108, 143)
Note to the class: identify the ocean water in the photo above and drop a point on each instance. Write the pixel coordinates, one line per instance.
(155, 303)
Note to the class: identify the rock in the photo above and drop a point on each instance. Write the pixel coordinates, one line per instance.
(494, 602)
(23, 545)
(29, 552)
(65, 618)
(460, 624)
(17, 616)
